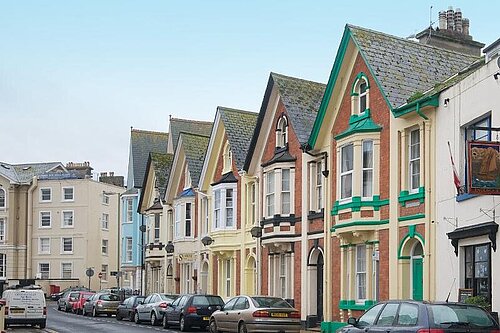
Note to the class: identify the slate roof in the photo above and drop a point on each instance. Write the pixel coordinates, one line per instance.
(195, 148)
(23, 173)
(404, 67)
(162, 164)
(239, 126)
(188, 126)
(141, 144)
(302, 99)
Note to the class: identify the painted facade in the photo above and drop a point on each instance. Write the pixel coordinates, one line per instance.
(467, 224)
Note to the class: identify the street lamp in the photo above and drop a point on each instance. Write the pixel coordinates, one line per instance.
(169, 247)
(207, 240)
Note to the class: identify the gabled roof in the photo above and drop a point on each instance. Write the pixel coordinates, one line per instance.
(402, 68)
(23, 173)
(195, 148)
(187, 126)
(141, 144)
(239, 126)
(301, 99)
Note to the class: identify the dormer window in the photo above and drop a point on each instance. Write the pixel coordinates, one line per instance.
(360, 94)
(228, 158)
(282, 132)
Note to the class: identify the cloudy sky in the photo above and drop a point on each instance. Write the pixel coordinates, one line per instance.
(76, 75)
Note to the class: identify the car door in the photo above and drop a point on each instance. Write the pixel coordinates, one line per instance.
(385, 320)
(177, 310)
(364, 323)
(142, 310)
(235, 313)
(223, 320)
(169, 312)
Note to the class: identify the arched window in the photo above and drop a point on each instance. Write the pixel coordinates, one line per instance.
(2, 198)
(228, 158)
(282, 132)
(360, 101)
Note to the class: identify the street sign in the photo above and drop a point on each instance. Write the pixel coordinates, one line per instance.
(89, 272)
(99, 275)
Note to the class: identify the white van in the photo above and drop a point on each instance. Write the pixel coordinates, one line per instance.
(25, 306)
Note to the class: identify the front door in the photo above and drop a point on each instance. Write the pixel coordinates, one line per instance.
(319, 294)
(417, 279)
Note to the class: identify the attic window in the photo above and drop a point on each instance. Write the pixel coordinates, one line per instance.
(360, 95)
(282, 132)
(228, 158)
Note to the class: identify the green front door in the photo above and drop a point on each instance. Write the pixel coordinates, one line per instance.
(417, 279)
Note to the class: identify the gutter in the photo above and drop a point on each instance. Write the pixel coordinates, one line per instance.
(420, 112)
(430, 100)
(29, 229)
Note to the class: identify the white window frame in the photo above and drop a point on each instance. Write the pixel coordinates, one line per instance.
(357, 96)
(346, 173)
(63, 220)
(222, 190)
(187, 177)
(62, 245)
(105, 199)
(40, 245)
(253, 203)
(156, 227)
(104, 247)
(360, 273)
(42, 189)
(282, 132)
(3, 230)
(283, 270)
(270, 193)
(227, 158)
(205, 216)
(63, 193)
(3, 199)
(129, 210)
(104, 271)
(362, 95)
(177, 221)
(40, 225)
(188, 220)
(105, 221)
(3, 265)
(227, 281)
(366, 169)
(45, 274)
(129, 249)
(284, 192)
(413, 188)
(70, 270)
(316, 186)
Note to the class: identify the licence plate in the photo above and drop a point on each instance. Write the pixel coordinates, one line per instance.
(206, 318)
(16, 310)
(279, 315)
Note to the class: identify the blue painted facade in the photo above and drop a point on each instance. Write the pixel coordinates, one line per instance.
(130, 229)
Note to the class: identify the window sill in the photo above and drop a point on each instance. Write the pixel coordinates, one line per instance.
(352, 305)
(67, 227)
(276, 220)
(313, 215)
(465, 196)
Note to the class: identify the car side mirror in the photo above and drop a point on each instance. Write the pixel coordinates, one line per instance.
(141, 302)
(352, 321)
(218, 307)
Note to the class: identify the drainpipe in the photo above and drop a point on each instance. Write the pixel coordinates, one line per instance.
(420, 112)
(29, 229)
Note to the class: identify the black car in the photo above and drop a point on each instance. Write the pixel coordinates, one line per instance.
(191, 310)
(126, 309)
(414, 316)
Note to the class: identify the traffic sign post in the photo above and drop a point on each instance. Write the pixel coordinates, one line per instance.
(100, 280)
(89, 272)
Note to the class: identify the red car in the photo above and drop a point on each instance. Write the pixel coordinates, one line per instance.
(77, 305)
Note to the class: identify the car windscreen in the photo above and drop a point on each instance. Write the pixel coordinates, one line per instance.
(109, 297)
(454, 315)
(169, 298)
(74, 295)
(207, 300)
(270, 302)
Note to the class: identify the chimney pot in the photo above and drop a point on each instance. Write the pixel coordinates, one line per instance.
(442, 20)
(465, 26)
(450, 18)
(111, 174)
(458, 20)
(104, 174)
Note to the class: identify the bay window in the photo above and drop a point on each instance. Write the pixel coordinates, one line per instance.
(279, 188)
(224, 204)
(183, 224)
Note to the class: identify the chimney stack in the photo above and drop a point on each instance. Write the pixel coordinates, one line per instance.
(442, 20)
(465, 26)
(458, 20)
(450, 19)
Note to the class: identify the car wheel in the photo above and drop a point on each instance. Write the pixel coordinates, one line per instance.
(109, 314)
(153, 319)
(94, 312)
(182, 325)
(136, 318)
(43, 324)
(131, 316)
(212, 327)
(242, 328)
(118, 317)
(165, 321)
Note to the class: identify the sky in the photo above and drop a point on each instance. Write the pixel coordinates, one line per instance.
(75, 76)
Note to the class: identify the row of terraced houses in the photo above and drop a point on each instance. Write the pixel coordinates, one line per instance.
(331, 196)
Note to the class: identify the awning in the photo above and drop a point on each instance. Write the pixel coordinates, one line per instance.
(487, 228)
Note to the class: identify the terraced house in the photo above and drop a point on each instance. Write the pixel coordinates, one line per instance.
(189, 141)
(229, 256)
(290, 239)
(380, 134)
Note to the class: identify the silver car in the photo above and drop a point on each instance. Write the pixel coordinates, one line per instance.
(149, 310)
(255, 314)
(101, 303)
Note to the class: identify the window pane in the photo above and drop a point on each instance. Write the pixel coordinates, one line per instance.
(362, 103)
(408, 314)
(285, 180)
(387, 315)
(367, 183)
(347, 158)
(369, 317)
(346, 186)
(367, 154)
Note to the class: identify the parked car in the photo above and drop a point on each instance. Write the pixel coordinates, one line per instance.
(149, 310)
(82, 297)
(56, 296)
(191, 310)
(101, 303)
(127, 308)
(414, 316)
(25, 306)
(66, 301)
(256, 314)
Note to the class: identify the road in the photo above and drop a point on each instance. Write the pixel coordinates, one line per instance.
(62, 322)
